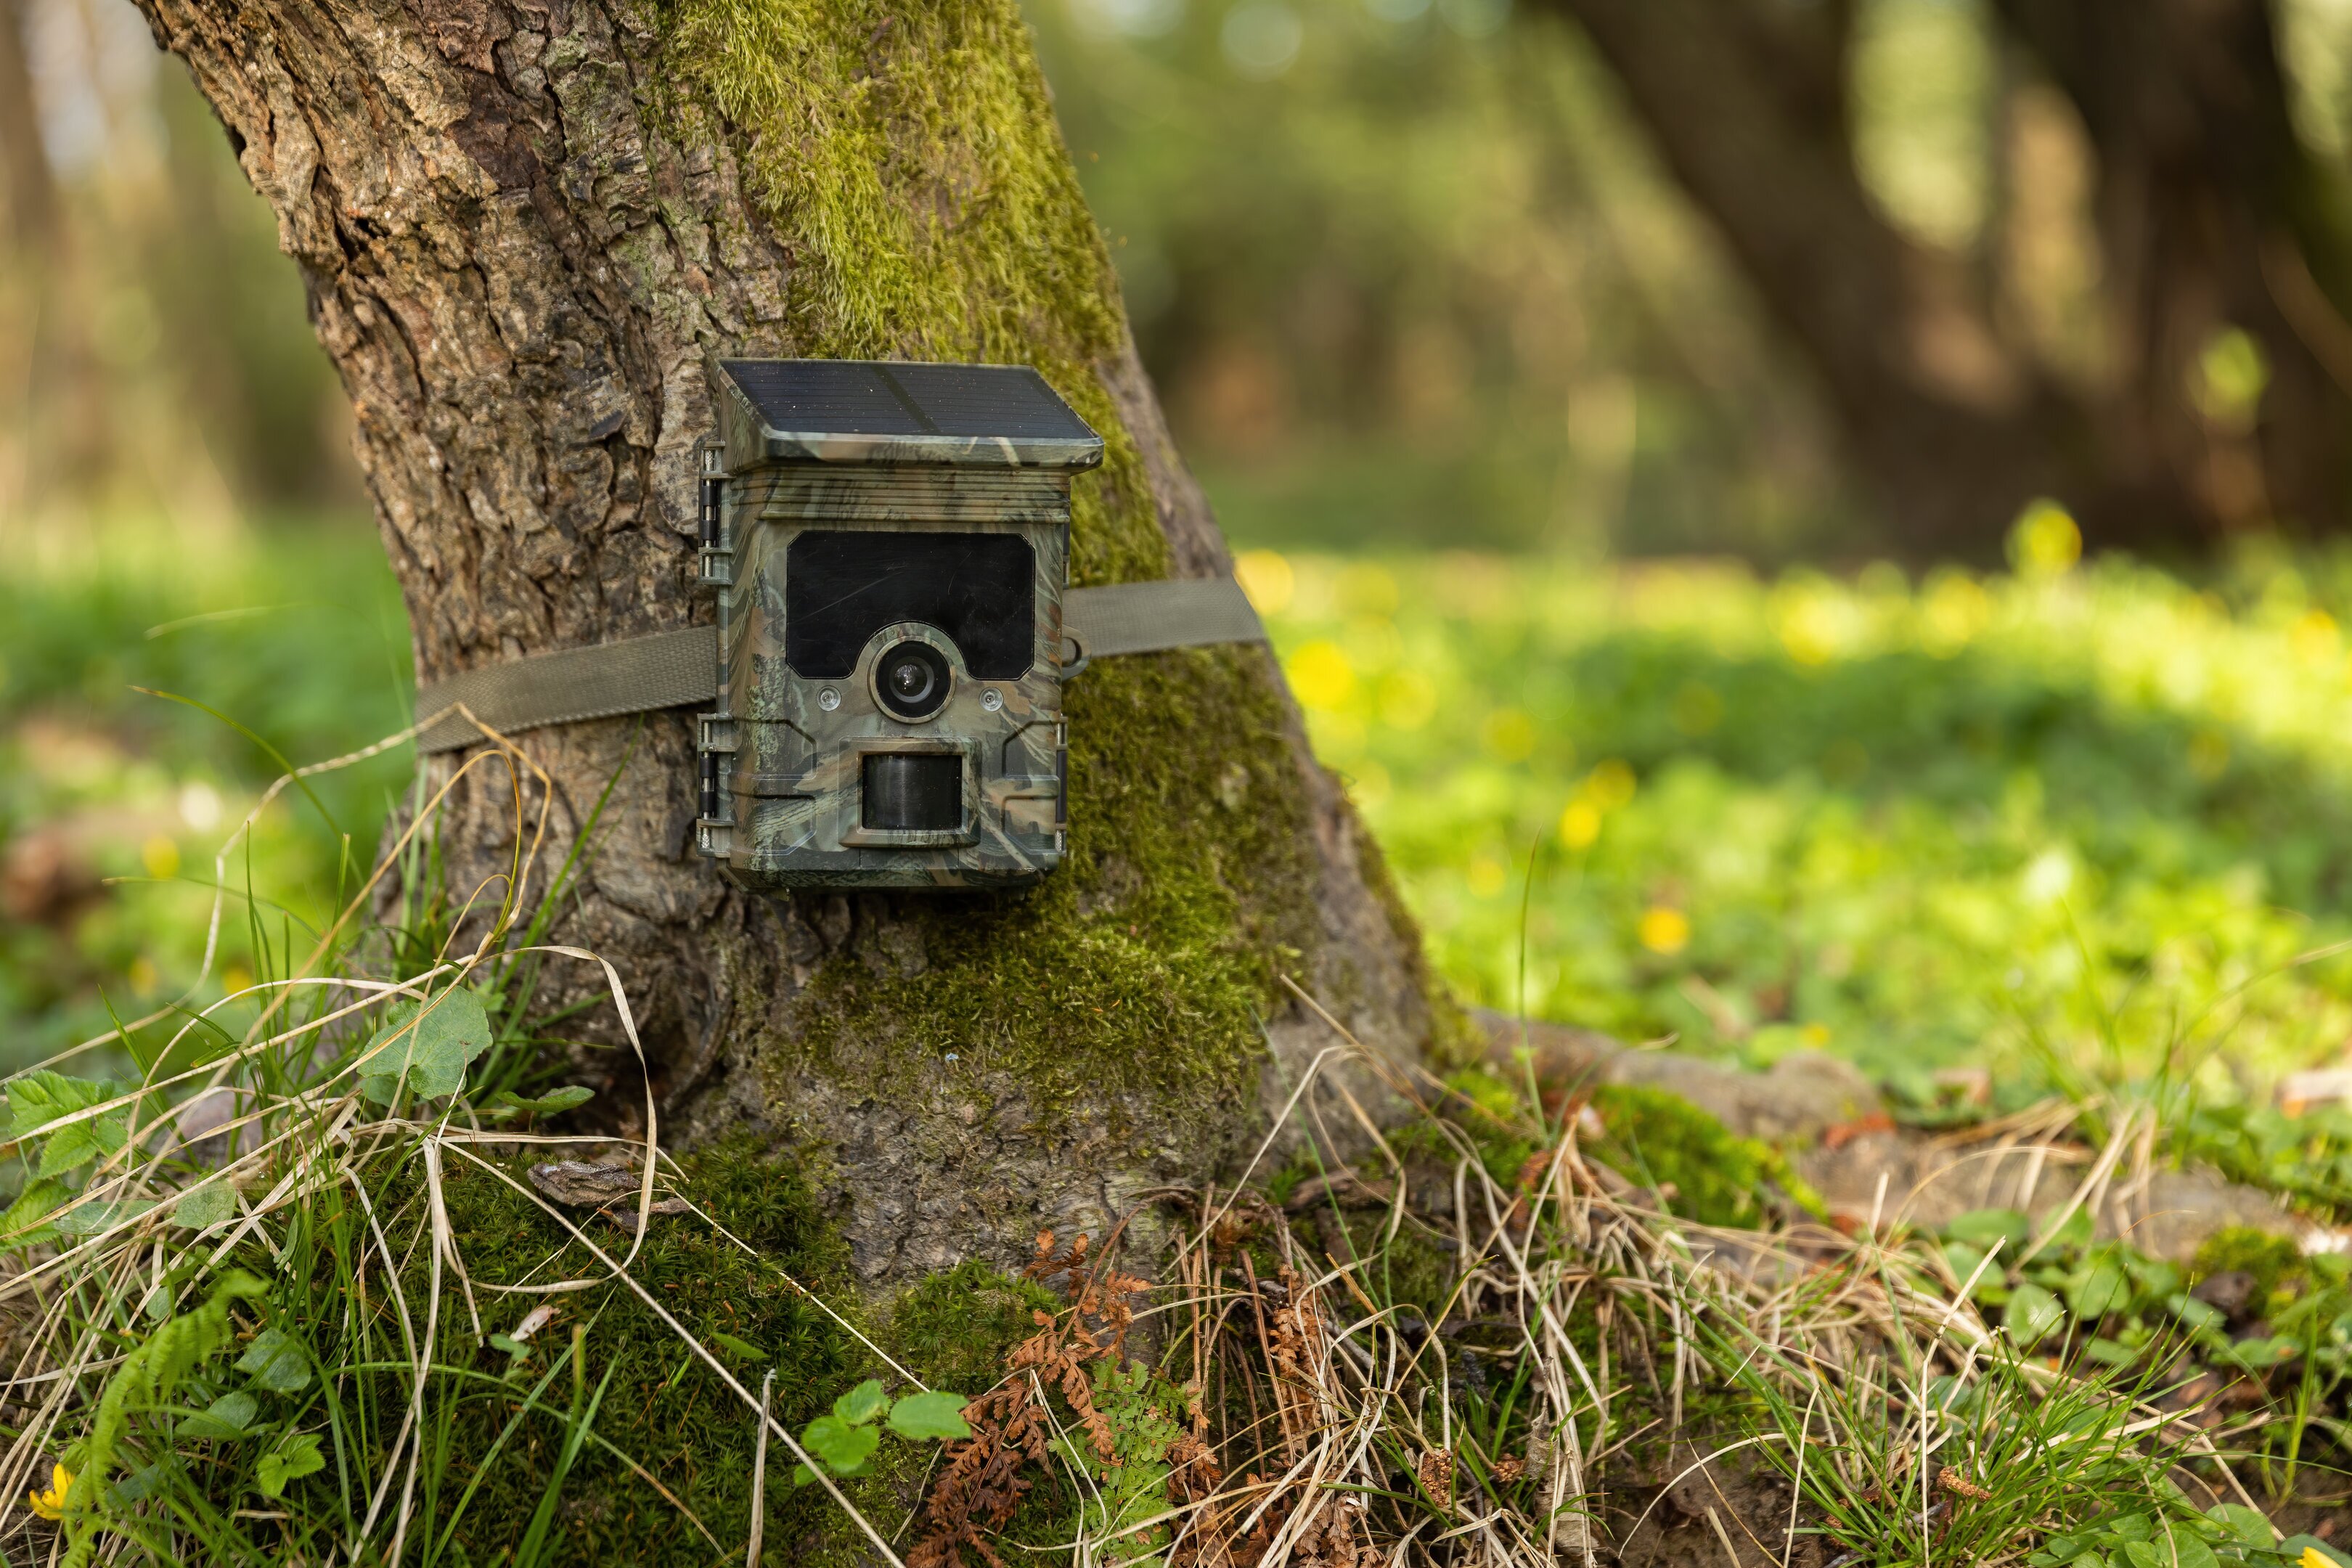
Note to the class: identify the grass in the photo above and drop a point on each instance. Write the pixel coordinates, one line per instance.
(291, 1175)
(2091, 814)
(113, 800)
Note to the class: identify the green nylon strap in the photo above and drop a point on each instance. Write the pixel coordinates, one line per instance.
(676, 669)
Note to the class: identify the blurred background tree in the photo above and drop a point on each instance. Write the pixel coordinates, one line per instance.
(2195, 386)
(153, 348)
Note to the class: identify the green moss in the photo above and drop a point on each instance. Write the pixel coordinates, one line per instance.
(1718, 1177)
(952, 1330)
(1301, 1166)
(909, 163)
(909, 159)
(1488, 1111)
(1413, 1271)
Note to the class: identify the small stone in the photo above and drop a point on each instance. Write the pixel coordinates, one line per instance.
(2227, 1292)
(580, 1183)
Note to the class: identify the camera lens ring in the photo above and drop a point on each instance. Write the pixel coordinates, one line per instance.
(911, 681)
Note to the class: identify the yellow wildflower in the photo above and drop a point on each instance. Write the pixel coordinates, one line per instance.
(1663, 930)
(2312, 1557)
(51, 1504)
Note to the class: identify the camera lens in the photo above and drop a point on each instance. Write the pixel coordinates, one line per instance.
(912, 681)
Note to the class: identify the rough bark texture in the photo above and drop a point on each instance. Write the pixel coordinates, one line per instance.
(2210, 213)
(526, 228)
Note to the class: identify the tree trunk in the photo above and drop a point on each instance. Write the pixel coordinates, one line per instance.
(527, 229)
(30, 195)
(2211, 214)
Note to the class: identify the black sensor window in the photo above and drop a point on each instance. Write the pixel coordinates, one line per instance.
(842, 588)
(913, 791)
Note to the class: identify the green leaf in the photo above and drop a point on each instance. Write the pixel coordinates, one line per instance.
(135, 1487)
(2197, 1314)
(100, 1214)
(2109, 1352)
(2031, 1315)
(227, 1417)
(508, 1344)
(2141, 1554)
(803, 1476)
(935, 1415)
(844, 1448)
(2073, 1235)
(276, 1360)
(862, 1404)
(40, 1097)
(547, 1104)
(27, 1222)
(294, 1457)
(2133, 1527)
(2153, 1276)
(2261, 1355)
(37, 1100)
(1980, 1229)
(2098, 1290)
(431, 1045)
(739, 1349)
(2246, 1527)
(205, 1207)
(2188, 1552)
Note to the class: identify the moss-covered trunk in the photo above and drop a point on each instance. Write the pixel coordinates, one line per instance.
(527, 226)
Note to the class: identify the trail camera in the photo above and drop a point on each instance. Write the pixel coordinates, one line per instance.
(890, 547)
(890, 544)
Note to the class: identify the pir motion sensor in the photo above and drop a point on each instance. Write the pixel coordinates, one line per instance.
(889, 545)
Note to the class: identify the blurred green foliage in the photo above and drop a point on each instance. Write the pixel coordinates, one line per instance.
(1408, 275)
(113, 802)
(2089, 813)
(1405, 273)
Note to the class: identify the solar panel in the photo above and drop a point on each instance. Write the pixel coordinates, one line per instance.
(869, 397)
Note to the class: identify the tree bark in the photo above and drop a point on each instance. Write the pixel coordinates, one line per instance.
(527, 228)
(2211, 214)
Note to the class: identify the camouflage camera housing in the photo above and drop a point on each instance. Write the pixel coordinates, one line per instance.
(890, 545)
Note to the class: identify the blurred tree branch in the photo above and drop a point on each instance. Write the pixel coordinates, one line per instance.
(2213, 213)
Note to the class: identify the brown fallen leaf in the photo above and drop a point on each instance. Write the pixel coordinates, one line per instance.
(1845, 1132)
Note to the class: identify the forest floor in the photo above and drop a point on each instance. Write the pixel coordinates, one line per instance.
(1931, 1104)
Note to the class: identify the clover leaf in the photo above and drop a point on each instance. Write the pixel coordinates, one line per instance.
(430, 1043)
(929, 1416)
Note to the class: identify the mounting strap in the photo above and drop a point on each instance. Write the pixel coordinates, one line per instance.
(678, 670)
